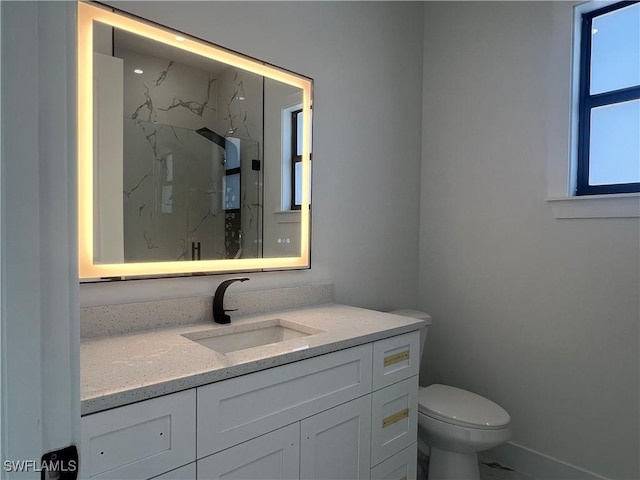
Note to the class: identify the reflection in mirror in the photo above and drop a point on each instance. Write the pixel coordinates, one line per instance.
(190, 130)
(192, 148)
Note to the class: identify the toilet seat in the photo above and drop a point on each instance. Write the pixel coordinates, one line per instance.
(460, 407)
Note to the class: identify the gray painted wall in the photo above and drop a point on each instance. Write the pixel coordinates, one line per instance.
(539, 314)
(366, 62)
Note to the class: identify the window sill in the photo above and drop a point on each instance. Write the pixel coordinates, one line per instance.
(597, 206)
(287, 216)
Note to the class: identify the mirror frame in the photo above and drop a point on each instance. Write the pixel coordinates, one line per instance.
(87, 269)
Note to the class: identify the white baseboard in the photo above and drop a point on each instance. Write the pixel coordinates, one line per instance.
(536, 464)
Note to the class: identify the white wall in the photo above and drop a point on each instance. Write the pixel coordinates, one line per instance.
(40, 320)
(538, 314)
(366, 61)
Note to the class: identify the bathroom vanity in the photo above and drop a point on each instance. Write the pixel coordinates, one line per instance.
(323, 392)
(339, 401)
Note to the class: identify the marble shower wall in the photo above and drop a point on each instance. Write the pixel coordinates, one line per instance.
(243, 119)
(173, 175)
(169, 201)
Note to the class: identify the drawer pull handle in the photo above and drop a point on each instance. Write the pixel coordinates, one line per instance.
(396, 358)
(396, 417)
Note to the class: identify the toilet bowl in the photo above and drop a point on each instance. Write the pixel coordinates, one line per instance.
(456, 424)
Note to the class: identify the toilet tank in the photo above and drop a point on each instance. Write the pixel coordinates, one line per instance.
(407, 312)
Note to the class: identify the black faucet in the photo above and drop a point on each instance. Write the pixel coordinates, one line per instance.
(219, 315)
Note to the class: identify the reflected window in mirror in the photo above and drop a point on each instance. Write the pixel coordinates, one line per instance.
(294, 200)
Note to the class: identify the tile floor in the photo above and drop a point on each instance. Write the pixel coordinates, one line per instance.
(489, 470)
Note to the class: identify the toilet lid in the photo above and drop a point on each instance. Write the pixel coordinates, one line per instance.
(460, 407)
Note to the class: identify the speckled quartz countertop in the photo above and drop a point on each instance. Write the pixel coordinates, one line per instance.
(120, 369)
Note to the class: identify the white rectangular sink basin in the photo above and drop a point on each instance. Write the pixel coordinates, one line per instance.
(249, 335)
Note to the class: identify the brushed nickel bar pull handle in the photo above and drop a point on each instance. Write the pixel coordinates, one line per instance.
(396, 358)
(396, 417)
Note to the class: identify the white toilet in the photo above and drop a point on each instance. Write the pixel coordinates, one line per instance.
(456, 424)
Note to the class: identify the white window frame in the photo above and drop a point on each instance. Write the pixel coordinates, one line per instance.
(562, 133)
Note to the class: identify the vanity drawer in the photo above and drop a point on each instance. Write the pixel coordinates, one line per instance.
(394, 413)
(141, 440)
(242, 408)
(395, 359)
(402, 466)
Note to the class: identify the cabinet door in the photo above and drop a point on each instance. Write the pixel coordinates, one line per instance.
(141, 440)
(188, 472)
(335, 444)
(275, 455)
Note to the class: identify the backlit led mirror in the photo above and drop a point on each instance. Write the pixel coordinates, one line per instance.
(191, 158)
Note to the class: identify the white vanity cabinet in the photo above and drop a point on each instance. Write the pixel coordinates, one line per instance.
(188, 472)
(335, 444)
(394, 410)
(275, 455)
(242, 408)
(140, 441)
(349, 414)
(401, 466)
(395, 413)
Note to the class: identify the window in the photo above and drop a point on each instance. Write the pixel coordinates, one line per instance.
(608, 149)
(296, 159)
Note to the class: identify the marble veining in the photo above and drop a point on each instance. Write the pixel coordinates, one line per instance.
(197, 108)
(173, 207)
(121, 369)
(135, 187)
